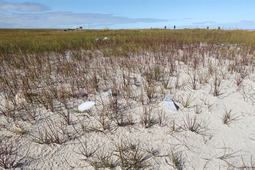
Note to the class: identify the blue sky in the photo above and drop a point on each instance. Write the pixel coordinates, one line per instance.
(127, 14)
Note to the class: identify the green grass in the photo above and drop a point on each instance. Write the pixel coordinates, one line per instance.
(121, 41)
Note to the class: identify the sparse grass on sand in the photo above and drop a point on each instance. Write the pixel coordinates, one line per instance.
(46, 74)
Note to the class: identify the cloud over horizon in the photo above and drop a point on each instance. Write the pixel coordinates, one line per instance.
(35, 15)
(243, 24)
(132, 14)
(22, 7)
(65, 19)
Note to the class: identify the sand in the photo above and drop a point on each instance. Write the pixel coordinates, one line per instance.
(210, 132)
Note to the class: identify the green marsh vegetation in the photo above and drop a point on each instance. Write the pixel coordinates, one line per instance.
(36, 41)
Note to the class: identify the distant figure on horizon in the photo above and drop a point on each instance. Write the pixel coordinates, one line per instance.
(207, 28)
(174, 27)
(165, 27)
(219, 28)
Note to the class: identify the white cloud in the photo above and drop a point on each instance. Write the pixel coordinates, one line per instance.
(22, 7)
(244, 24)
(65, 19)
(204, 23)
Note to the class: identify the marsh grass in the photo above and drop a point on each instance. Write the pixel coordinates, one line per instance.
(189, 99)
(147, 119)
(51, 133)
(216, 85)
(176, 160)
(194, 125)
(38, 41)
(10, 157)
(103, 161)
(228, 116)
(131, 156)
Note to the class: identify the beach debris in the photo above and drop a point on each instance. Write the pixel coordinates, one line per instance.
(169, 104)
(106, 38)
(82, 94)
(86, 106)
(109, 92)
(20, 98)
(138, 83)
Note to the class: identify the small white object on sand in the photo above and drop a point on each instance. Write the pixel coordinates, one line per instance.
(109, 92)
(169, 104)
(106, 38)
(85, 106)
(20, 98)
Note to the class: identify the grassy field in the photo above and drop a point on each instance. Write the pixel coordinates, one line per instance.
(37, 41)
(46, 74)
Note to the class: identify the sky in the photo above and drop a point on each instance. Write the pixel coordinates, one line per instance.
(127, 14)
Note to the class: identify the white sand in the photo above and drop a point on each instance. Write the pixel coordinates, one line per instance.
(214, 145)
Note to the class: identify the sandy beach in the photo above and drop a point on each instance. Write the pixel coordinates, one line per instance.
(127, 124)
